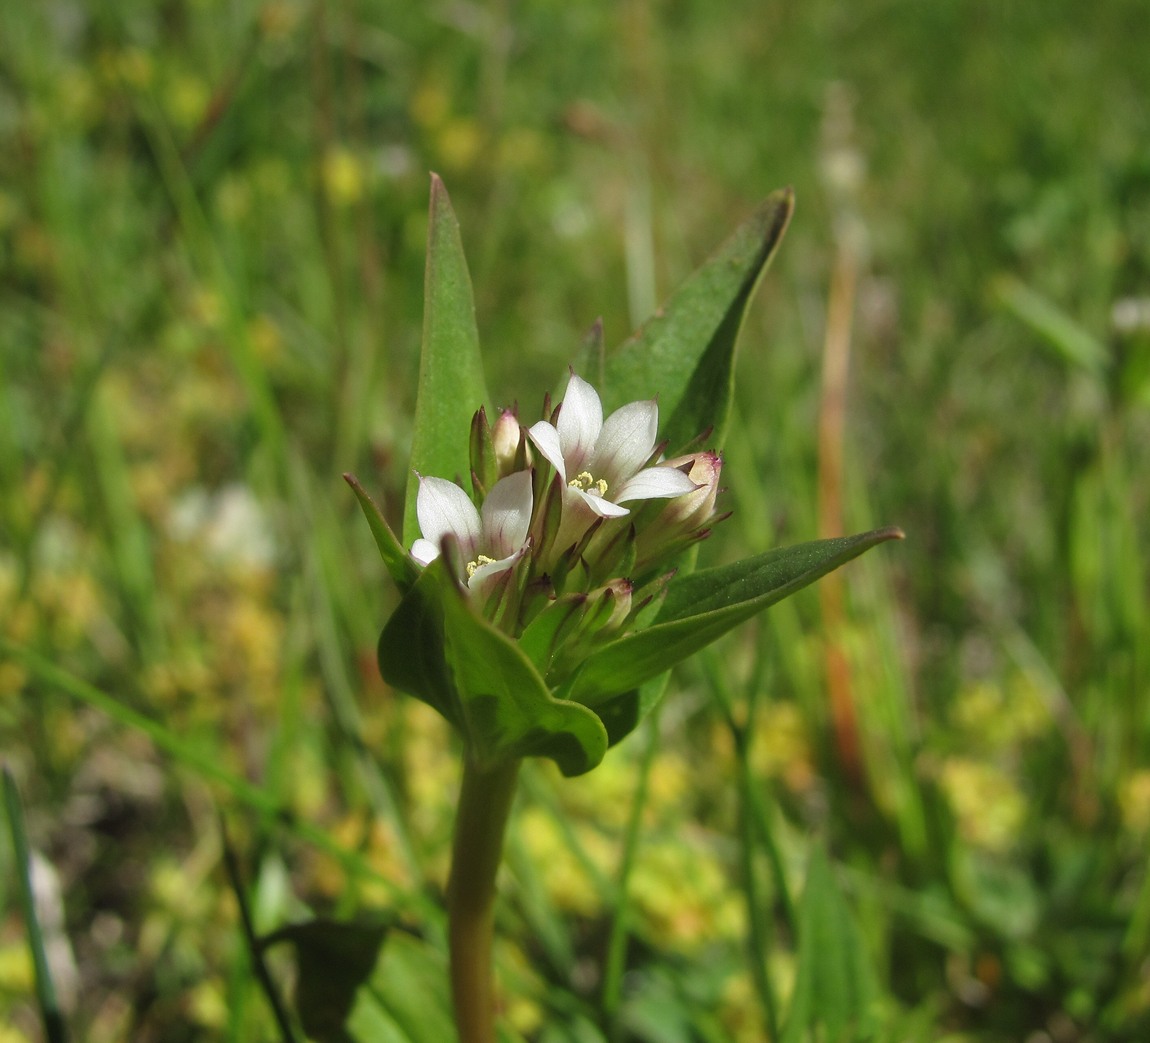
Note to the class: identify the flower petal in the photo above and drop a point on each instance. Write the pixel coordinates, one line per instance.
(506, 515)
(655, 483)
(424, 551)
(493, 568)
(546, 440)
(487, 578)
(442, 507)
(580, 421)
(625, 442)
(600, 504)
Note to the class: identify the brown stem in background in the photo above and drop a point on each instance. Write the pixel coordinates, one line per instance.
(842, 170)
(832, 433)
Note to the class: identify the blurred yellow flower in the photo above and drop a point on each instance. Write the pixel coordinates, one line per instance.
(522, 149)
(344, 175)
(11, 1034)
(186, 98)
(208, 1004)
(684, 895)
(459, 143)
(1002, 715)
(568, 883)
(430, 105)
(780, 747)
(739, 1010)
(517, 1003)
(986, 802)
(17, 975)
(1134, 801)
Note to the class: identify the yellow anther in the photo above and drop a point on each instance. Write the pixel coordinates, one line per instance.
(586, 481)
(482, 559)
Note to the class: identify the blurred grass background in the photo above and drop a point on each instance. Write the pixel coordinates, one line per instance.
(212, 220)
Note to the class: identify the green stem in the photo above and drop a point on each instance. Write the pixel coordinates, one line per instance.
(484, 805)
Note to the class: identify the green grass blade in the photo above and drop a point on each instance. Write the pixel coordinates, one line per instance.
(255, 953)
(616, 962)
(54, 1029)
(836, 989)
(1070, 341)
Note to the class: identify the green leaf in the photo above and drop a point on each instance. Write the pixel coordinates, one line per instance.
(451, 382)
(398, 562)
(686, 352)
(508, 710)
(411, 649)
(703, 606)
(51, 1016)
(436, 648)
(835, 988)
(548, 630)
(333, 961)
(622, 714)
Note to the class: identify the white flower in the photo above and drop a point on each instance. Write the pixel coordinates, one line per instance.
(599, 461)
(491, 541)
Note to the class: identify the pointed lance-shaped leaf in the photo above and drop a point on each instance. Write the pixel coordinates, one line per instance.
(702, 606)
(399, 563)
(451, 381)
(686, 351)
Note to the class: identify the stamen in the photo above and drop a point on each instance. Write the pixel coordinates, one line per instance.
(586, 481)
(482, 559)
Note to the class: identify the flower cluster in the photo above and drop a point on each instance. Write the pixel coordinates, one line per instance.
(566, 510)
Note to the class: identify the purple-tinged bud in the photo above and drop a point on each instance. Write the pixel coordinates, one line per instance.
(693, 510)
(509, 444)
(483, 466)
(684, 517)
(621, 596)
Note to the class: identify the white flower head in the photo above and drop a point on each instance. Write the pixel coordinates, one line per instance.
(600, 462)
(491, 541)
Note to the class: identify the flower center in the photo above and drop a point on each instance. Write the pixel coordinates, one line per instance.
(586, 481)
(481, 559)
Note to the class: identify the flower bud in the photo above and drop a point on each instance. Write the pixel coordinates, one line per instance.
(509, 444)
(685, 517)
(601, 615)
(484, 472)
(695, 509)
(618, 594)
